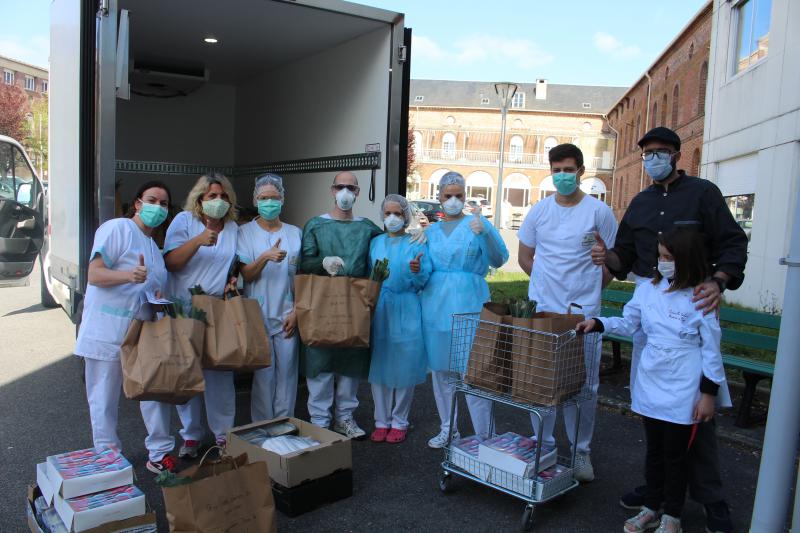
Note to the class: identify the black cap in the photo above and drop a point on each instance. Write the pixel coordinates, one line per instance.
(661, 134)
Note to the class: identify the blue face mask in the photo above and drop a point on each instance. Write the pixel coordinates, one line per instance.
(269, 209)
(216, 208)
(565, 182)
(660, 167)
(152, 215)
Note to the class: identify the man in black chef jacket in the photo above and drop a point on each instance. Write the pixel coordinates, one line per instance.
(675, 199)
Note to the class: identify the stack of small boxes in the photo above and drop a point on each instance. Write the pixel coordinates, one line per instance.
(88, 490)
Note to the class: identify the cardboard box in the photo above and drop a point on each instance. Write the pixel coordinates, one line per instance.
(88, 471)
(515, 454)
(45, 486)
(332, 454)
(294, 501)
(92, 510)
(464, 454)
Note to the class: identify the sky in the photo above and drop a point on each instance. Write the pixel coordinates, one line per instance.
(589, 42)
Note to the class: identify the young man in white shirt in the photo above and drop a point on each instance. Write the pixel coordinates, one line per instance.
(555, 244)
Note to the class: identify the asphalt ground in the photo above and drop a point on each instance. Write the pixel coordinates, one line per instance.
(44, 412)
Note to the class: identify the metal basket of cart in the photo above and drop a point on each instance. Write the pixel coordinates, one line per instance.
(534, 364)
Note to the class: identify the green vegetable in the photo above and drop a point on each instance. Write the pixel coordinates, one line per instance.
(522, 307)
(381, 270)
(196, 290)
(169, 479)
(176, 309)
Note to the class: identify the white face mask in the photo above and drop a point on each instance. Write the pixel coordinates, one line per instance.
(667, 269)
(453, 206)
(345, 199)
(393, 223)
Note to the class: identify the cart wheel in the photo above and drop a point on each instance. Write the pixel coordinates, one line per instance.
(445, 482)
(527, 518)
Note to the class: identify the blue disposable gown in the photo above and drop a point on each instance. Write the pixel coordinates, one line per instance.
(398, 350)
(457, 284)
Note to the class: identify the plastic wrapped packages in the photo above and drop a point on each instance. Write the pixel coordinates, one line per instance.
(287, 444)
(258, 435)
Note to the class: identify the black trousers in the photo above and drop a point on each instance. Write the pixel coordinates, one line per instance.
(666, 464)
(705, 483)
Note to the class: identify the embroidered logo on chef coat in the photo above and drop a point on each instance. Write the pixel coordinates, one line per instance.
(588, 239)
(677, 315)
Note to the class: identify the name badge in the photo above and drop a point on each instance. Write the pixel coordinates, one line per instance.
(588, 239)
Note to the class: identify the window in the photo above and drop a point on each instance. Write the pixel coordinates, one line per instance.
(484, 101)
(587, 105)
(515, 149)
(16, 177)
(8, 77)
(695, 168)
(675, 96)
(549, 144)
(44, 86)
(418, 143)
(419, 99)
(638, 128)
(655, 113)
(451, 120)
(752, 32)
(587, 126)
(666, 73)
(30, 83)
(518, 100)
(663, 111)
(701, 96)
(691, 50)
(741, 207)
(449, 146)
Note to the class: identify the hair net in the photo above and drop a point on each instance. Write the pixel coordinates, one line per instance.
(452, 178)
(268, 179)
(404, 205)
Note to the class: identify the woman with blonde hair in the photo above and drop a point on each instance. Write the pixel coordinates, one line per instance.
(199, 249)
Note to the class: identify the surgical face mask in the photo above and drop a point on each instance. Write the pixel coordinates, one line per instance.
(152, 215)
(667, 269)
(659, 167)
(345, 199)
(393, 223)
(453, 206)
(216, 208)
(565, 182)
(269, 209)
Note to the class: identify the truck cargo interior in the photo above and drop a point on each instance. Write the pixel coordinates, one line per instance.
(282, 82)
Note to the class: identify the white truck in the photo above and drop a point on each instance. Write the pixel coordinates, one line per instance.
(148, 89)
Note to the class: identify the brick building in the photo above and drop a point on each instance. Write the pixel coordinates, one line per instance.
(670, 93)
(457, 127)
(30, 78)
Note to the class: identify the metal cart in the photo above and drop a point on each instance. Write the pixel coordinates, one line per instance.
(535, 371)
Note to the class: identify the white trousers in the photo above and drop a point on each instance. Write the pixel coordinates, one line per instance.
(570, 412)
(480, 409)
(275, 387)
(385, 416)
(220, 399)
(321, 392)
(103, 389)
(157, 417)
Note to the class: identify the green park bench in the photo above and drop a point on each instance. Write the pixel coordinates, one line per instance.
(752, 370)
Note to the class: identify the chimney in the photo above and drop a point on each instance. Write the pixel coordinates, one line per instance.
(541, 89)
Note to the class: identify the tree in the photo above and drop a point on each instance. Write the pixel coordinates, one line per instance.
(411, 156)
(13, 109)
(36, 135)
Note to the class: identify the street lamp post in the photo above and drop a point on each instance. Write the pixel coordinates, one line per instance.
(505, 92)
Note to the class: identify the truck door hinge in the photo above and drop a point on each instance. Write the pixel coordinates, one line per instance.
(102, 8)
(402, 53)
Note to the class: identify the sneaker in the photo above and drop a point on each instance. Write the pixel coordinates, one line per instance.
(584, 472)
(349, 428)
(669, 524)
(189, 449)
(166, 464)
(634, 500)
(718, 518)
(396, 435)
(379, 435)
(646, 519)
(440, 441)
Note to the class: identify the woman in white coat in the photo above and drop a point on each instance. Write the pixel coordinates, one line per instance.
(678, 376)
(125, 264)
(199, 249)
(269, 250)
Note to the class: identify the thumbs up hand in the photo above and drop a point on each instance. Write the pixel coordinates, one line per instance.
(139, 273)
(599, 250)
(476, 224)
(414, 264)
(275, 254)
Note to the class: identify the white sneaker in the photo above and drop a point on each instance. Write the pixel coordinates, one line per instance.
(584, 472)
(440, 440)
(349, 428)
(669, 524)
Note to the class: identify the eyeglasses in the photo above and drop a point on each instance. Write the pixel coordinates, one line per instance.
(341, 187)
(648, 155)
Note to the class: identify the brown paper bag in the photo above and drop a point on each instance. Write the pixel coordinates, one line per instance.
(335, 311)
(489, 365)
(228, 495)
(236, 338)
(161, 360)
(546, 369)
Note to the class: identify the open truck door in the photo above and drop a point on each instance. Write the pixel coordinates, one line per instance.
(22, 215)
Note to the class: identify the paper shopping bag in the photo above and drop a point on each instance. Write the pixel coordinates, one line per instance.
(547, 362)
(236, 338)
(335, 311)
(227, 495)
(161, 360)
(489, 365)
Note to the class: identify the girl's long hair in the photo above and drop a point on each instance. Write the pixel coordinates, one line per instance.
(688, 250)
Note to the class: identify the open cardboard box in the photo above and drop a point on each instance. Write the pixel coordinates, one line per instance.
(332, 454)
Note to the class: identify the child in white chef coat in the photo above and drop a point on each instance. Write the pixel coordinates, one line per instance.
(679, 373)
